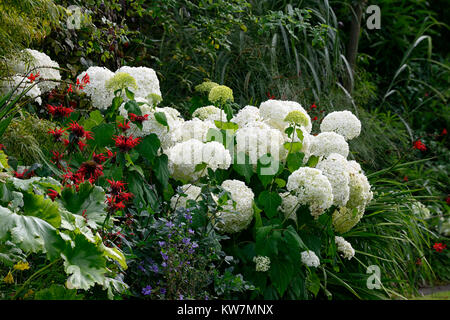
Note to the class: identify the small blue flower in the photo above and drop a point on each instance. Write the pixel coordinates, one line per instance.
(164, 264)
(181, 297)
(191, 231)
(155, 268)
(170, 224)
(194, 245)
(186, 240)
(163, 291)
(164, 256)
(147, 291)
(161, 243)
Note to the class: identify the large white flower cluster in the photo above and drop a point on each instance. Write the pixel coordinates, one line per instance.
(101, 97)
(194, 129)
(246, 115)
(344, 247)
(310, 258)
(257, 139)
(289, 204)
(192, 193)
(146, 81)
(42, 64)
(326, 143)
(238, 212)
(311, 188)
(185, 156)
(335, 167)
(344, 123)
(275, 111)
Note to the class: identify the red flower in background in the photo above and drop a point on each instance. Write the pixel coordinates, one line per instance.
(23, 175)
(444, 132)
(313, 106)
(405, 178)
(125, 144)
(79, 131)
(81, 145)
(419, 146)
(57, 134)
(59, 111)
(124, 126)
(99, 158)
(135, 118)
(89, 170)
(270, 96)
(33, 77)
(439, 247)
(314, 119)
(448, 200)
(116, 186)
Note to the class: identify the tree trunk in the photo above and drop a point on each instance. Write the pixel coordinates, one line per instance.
(352, 46)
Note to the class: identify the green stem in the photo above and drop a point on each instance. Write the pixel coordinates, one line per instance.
(34, 275)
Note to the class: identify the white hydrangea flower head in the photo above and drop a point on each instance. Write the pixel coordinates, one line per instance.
(101, 97)
(194, 129)
(186, 155)
(275, 111)
(167, 136)
(209, 113)
(326, 143)
(238, 213)
(146, 80)
(22, 83)
(36, 59)
(288, 205)
(344, 247)
(246, 115)
(257, 139)
(262, 263)
(335, 168)
(192, 193)
(310, 259)
(344, 123)
(420, 210)
(220, 94)
(312, 188)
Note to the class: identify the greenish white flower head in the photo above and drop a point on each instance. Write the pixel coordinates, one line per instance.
(344, 123)
(344, 247)
(310, 258)
(262, 263)
(205, 87)
(237, 214)
(209, 113)
(120, 81)
(298, 118)
(191, 193)
(311, 188)
(220, 94)
(288, 206)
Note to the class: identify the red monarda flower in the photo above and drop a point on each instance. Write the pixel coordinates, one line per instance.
(135, 118)
(57, 134)
(79, 131)
(270, 96)
(444, 132)
(113, 205)
(313, 106)
(57, 157)
(314, 119)
(70, 89)
(85, 79)
(125, 144)
(125, 196)
(33, 77)
(419, 146)
(53, 194)
(439, 247)
(81, 145)
(22, 175)
(59, 111)
(90, 170)
(116, 186)
(124, 126)
(99, 158)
